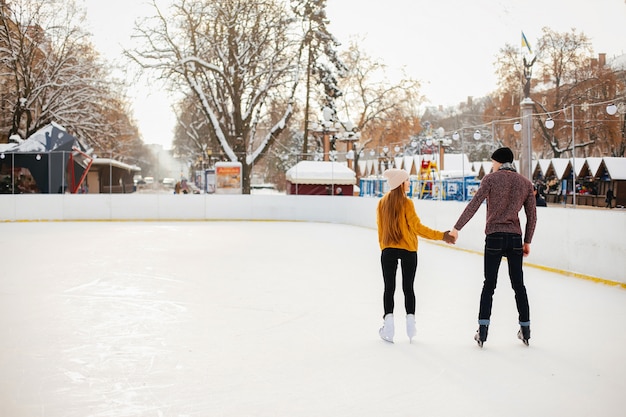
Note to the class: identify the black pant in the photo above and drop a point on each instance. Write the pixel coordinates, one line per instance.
(498, 245)
(389, 262)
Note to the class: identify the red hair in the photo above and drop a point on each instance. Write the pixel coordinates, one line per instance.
(391, 213)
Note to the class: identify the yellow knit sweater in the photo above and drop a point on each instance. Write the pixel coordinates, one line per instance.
(411, 227)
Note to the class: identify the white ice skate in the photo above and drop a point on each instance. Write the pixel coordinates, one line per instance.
(386, 332)
(411, 331)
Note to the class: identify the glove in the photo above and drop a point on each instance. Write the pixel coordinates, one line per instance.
(448, 238)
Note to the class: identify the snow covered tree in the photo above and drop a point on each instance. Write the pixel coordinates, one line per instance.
(50, 72)
(236, 57)
(324, 64)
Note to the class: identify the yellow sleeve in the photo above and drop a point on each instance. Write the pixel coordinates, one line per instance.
(379, 224)
(417, 227)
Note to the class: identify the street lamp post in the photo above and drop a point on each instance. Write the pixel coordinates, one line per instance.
(573, 162)
(329, 127)
(351, 136)
(527, 151)
(456, 136)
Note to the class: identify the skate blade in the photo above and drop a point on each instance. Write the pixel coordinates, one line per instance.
(480, 342)
(384, 338)
(520, 337)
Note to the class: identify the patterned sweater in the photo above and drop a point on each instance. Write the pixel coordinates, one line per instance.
(411, 227)
(506, 193)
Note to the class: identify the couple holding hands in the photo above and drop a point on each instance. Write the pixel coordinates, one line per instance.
(506, 193)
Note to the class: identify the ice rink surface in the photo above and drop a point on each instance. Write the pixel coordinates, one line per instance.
(235, 319)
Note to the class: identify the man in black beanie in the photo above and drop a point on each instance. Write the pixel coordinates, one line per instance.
(506, 192)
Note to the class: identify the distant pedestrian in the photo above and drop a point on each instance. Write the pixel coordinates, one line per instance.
(398, 228)
(609, 198)
(539, 200)
(506, 193)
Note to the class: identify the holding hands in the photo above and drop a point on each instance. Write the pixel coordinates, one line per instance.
(450, 236)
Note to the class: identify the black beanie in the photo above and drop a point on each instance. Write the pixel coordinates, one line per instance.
(502, 155)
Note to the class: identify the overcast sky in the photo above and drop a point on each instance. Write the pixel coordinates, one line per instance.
(449, 45)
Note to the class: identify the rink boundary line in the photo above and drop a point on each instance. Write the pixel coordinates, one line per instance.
(597, 280)
(591, 278)
(153, 220)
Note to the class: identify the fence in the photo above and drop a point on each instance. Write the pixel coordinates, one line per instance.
(448, 189)
(577, 241)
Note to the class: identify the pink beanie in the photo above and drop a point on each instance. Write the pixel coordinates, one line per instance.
(395, 177)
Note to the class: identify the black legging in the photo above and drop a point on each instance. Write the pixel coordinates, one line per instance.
(389, 262)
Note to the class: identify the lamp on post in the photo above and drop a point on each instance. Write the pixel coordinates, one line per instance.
(325, 127)
(351, 136)
(457, 136)
(384, 159)
(441, 142)
(613, 109)
(573, 162)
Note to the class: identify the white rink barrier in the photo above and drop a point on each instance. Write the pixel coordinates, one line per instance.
(589, 243)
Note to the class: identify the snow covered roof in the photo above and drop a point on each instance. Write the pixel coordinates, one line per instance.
(320, 172)
(560, 166)
(457, 162)
(594, 164)
(49, 138)
(578, 164)
(544, 164)
(616, 167)
(617, 63)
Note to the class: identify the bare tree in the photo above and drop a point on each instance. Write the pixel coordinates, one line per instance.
(235, 57)
(52, 73)
(569, 77)
(384, 111)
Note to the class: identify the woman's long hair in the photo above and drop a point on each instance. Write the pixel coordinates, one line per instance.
(392, 213)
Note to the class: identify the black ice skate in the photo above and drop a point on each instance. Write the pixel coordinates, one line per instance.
(481, 334)
(524, 334)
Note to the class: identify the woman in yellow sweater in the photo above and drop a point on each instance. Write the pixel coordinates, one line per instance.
(398, 228)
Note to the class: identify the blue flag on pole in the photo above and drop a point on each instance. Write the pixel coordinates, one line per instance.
(525, 44)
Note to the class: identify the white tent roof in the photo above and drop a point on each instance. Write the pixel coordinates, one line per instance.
(594, 164)
(544, 164)
(616, 167)
(320, 172)
(578, 164)
(560, 165)
(457, 162)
